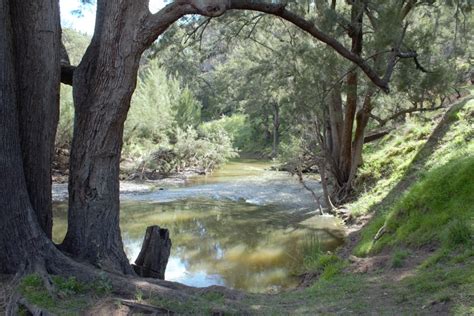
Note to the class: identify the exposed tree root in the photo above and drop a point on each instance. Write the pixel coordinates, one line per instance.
(20, 303)
(53, 262)
(136, 308)
(16, 300)
(5, 293)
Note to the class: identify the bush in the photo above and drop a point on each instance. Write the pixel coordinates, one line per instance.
(201, 150)
(66, 118)
(237, 127)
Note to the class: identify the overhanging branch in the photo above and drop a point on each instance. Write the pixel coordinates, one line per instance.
(157, 23)
(309, 27)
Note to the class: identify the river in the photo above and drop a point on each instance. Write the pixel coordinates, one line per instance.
(244, 226)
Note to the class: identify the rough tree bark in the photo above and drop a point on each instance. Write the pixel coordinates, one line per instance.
(154, 255)
(362, 119)
(103, 84)
(37, 82)
(23, 243)
(342, 128)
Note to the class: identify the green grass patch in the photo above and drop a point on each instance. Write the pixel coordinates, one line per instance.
(438, 209)
(441, 284)
(33, 289)
(398, 258)
(316, 259)
(70, 295)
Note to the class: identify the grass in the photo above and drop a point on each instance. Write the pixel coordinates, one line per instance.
(398, 258)
(405, 151)
(420, 188)
(70, 296)
(205, 303)
(439, 209)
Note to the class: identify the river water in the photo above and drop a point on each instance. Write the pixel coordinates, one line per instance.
(244, 226)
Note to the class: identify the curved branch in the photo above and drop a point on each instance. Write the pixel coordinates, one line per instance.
(307, 26)
(157, 23)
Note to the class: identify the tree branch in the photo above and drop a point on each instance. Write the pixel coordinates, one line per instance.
(157, 23)
(382, 121)
(281, 11)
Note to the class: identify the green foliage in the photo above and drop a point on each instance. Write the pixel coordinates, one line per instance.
(68, 286)
(238, 128)
(32, 287)
(317, 260)
(66, 118)
(398, 258)
(75, 44)
(387, 160)
(102, 285)
(203, 150)
(163, 127)
(159, 106)
(73, 294)
(437, 209)
(458, 233)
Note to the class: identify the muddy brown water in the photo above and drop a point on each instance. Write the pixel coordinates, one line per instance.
(244, 227)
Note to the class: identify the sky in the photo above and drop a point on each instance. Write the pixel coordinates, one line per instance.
(85, 22)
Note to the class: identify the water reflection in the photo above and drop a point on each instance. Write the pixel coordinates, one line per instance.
(232, 243)
(226, 240)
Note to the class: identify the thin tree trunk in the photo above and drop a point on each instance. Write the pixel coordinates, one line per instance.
(324, 184)
(352, 94)
(362, 119)
(276, 129)
(336, 122)
(37, 79)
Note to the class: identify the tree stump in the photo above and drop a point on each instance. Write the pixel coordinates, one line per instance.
(153, 257)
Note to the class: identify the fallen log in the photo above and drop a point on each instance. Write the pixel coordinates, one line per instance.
(153, 257)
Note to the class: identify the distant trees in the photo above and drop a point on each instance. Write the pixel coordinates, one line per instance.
(319, 95)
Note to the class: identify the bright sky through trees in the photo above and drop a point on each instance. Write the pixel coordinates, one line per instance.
(85, 21)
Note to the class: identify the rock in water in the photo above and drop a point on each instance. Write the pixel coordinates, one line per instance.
(153, 257)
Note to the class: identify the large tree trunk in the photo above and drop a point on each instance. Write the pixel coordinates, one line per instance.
(23, 244)
(103, 85)
(37, 78)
